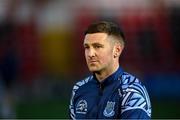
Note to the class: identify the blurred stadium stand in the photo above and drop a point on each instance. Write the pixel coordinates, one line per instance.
(48, 37)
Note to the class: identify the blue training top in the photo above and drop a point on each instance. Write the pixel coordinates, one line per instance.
(121, 95)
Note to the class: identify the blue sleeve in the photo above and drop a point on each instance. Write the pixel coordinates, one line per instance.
(135, 114)
(135, 103)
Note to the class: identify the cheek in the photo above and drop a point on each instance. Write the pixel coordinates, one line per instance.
(106, 56)
(85, 55)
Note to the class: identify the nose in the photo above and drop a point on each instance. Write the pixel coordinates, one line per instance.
(90, 52)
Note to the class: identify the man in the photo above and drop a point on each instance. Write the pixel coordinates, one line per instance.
(110, 93)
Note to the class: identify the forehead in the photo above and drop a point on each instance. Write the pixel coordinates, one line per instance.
(95, 37)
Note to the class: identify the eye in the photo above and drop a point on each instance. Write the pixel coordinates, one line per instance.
(98, 46)
(86, 47)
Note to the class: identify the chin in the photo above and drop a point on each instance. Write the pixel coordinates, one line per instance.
(92, 69)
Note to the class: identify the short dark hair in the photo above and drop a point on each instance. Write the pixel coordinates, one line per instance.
(106, 27)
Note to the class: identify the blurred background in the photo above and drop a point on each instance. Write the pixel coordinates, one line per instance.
(41, 52)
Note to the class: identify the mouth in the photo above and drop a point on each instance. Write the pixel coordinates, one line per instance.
(92, 61)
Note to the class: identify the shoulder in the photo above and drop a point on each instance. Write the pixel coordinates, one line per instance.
(81, 83)
(131, 83)
(134, 94)
(76, 87)
(128, 78)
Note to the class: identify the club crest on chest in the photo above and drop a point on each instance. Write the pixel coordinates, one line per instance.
(109, 109)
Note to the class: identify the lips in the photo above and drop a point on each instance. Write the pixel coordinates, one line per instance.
(93, 61)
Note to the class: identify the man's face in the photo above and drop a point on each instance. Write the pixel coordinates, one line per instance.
(98, 52)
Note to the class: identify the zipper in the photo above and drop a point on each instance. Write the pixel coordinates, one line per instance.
(100, 95)
(101, 89)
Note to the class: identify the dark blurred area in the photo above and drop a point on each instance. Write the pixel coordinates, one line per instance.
(41, 52)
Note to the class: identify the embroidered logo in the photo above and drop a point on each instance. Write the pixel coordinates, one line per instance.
(81, 107)
(109, 110)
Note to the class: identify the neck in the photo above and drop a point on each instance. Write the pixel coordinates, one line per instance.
(102, 75)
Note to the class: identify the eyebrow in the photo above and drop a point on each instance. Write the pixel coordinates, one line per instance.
(93, 44)
(97, 44)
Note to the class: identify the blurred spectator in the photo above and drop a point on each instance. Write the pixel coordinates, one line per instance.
(8, 64)
(8, 61)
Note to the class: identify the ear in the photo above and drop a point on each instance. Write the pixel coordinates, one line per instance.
(117, 50)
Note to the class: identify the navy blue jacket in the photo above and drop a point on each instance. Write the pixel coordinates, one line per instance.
(120, 96)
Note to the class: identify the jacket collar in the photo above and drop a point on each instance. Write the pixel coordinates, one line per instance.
(110, 79)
